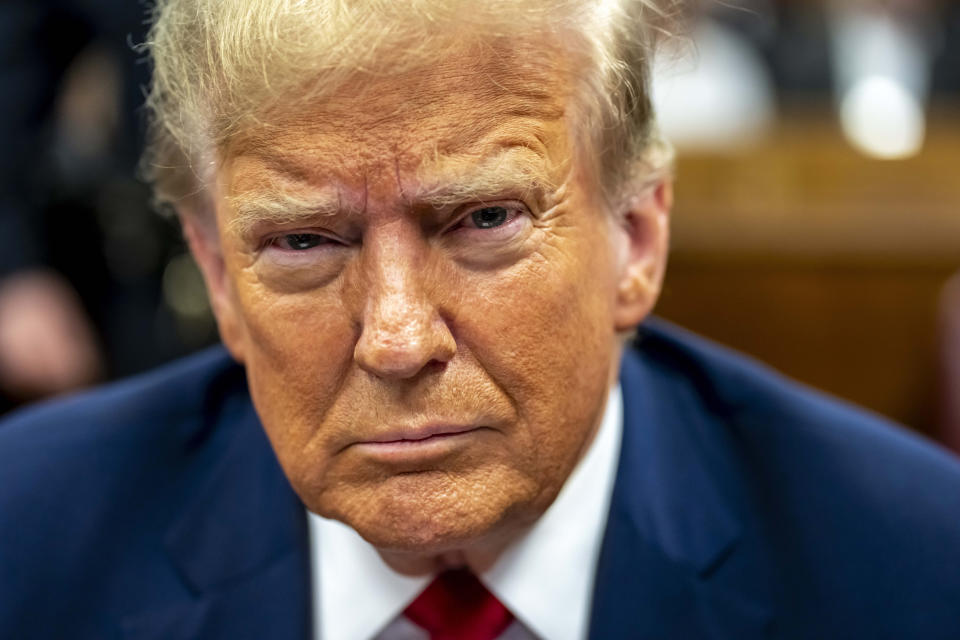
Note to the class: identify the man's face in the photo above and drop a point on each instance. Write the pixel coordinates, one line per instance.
(424, 291)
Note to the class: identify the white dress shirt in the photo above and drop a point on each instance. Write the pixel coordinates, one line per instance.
(545, 577)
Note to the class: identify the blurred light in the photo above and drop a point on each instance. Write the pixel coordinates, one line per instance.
(183, 288)
(882, 118)
(719, 99)
(882, 65)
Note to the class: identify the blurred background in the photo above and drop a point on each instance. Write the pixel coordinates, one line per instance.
(817, 224)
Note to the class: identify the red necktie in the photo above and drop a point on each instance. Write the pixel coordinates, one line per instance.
(456, 606)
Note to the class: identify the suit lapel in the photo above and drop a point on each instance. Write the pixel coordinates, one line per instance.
(674, 562)
(239, 544)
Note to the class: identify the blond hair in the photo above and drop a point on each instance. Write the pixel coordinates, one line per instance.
(221, 65)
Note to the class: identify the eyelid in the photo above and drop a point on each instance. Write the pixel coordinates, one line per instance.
(466, 210)
(271, 239)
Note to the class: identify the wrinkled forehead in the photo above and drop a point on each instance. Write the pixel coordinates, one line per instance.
(454, 100)
(433, 122)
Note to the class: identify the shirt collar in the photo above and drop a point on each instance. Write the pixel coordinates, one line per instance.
(545, 577)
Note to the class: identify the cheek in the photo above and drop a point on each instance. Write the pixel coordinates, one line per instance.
(297, 346)
(544, 332)
(552, 307)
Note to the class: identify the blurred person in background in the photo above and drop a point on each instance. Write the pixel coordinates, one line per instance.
(82, 254)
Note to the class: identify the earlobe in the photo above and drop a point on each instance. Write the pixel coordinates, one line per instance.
(200, 232)
(646, 224)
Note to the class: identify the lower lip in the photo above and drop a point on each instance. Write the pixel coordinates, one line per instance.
(417, 451)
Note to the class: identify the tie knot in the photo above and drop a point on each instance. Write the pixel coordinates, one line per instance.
(456, 606)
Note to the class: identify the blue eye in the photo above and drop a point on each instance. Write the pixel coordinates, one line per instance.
(489, 217)
(301, 241)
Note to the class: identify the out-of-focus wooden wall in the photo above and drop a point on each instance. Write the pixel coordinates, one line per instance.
(821, 262)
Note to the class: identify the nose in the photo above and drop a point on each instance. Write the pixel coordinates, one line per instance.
(402, 330)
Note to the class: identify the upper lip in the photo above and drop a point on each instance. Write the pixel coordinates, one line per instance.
(420, 432)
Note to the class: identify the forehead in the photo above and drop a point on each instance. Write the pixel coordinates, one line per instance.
(455, 112)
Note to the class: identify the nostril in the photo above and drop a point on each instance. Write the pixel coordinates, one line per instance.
(435, 366)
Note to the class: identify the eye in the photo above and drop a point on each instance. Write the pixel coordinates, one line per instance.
(300, 241)
(489, 217)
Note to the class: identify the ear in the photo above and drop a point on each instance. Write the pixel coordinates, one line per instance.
(200, 231)
(643, 257)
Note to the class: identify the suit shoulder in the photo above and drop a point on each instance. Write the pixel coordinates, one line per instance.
(805, 438)
(90, 484)
(854, 517)
(166, 405)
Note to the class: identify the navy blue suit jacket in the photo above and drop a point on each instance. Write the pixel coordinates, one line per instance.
(744, 507)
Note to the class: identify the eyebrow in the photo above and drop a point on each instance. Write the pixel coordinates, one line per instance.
(518, 170)
(439, 183)
(281, 205)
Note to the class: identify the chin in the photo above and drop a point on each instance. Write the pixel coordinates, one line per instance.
(436, 512)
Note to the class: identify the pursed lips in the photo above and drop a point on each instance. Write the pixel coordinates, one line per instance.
(416, 445)
(419, 433)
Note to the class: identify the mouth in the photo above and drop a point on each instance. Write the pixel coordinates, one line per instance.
(418, 444)
(419, 434)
